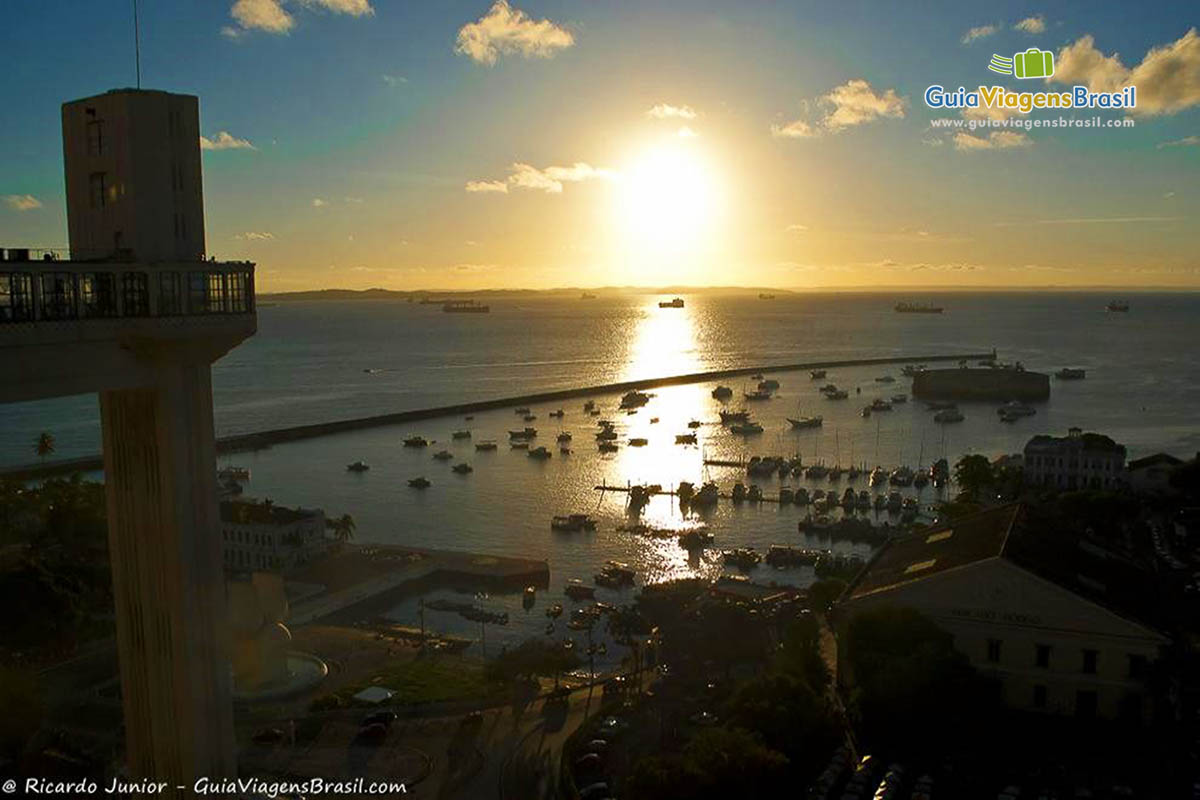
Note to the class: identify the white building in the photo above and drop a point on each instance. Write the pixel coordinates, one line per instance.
(1059, 625)
(263, 537)
(1077, 461)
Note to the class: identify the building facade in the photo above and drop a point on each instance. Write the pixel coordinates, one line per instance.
(1076, 461)
(259, 537)
(1053, 649)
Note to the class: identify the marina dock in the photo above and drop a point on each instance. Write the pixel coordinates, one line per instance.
(263, 439)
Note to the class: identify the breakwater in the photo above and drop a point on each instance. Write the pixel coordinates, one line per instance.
(981, 384)
(263, 439)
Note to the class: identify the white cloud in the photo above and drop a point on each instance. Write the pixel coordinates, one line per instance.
(224, 140)
(505, 30)
(318, 203)
(685, 132)
(852, 103)
(979, 32)
(855, 102)
(796, 129)
(394, 80)
(996, 140)
(1187, 141)
(797, 227)
(254, 236)
(668, 111)
(1167, 79)
(549, 179)
(22, 202)
(1032, 25)
(270, 16)
(487, 186)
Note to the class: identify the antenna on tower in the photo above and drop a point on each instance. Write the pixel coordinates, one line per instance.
(137, 47)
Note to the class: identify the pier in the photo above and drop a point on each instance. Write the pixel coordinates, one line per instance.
(263, 439)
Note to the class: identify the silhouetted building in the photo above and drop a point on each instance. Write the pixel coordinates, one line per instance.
(1152, 474)
(1076, 461)
(1061, 624)
(258, 536)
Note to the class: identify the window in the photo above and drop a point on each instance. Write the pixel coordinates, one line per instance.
(1043, 656)
(16, 297)
(170, 294)
(1090, 657)
(98, 295)
(95, 138)
(1039, 696)
(58, 295)
(1137, 667)
(135, 297)
(993, 651)
(238, 294)
(97, 190)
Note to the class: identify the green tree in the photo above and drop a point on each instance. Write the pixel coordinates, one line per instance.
(973, 473)
(43, 445)
(343, 528)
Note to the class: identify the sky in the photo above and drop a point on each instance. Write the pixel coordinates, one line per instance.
(567, 143)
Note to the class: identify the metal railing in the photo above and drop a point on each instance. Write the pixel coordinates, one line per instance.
(49, 290)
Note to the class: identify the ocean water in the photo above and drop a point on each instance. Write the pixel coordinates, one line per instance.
(310, 361)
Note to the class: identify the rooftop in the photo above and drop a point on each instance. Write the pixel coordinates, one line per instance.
(248, 512)
(1074, 563)
(1078, 441)
(1153, 460)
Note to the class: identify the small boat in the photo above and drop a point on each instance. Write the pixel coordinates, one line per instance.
(554, 611)
(615, 575)
(707, 496)
(1120, 306)
(722, 393)
(634, 399)
(806, 422)
(464, 307)
(521, 411)
(540, 453)
(685, 492)
(529, 417)
(488, 445)
(785, 495)
(443, 455)
(880, 502)
(572, 523)
(949, 415)
(235, 473)
(695, 539)
(685, 438)
(921, 479)
(899, 398)
(674, 303)
(520, 445)
(415, 441)
(836, 394)
(901, 476)
(866, 412)
(693, 424)
(879, 404)
(638, 441)
(910, 370)
(768, 385)
(557, 414)
(463, 468)
(816, 374)
(527, 433)
(1071, 374)
(461, 435)
(746, 428)
(654, 420)
(894, 501)
(589, 406)
(468, 417)
(578, 590)
(754, 494)
(757, 394)
(742, 557)
(608, 447)
(780, 555)
(595, 412)
(863, 501)
(1015, 409)
(564, 450)
(734, 416)
(739, 492)
(917, 308)
(765, 296)
(357, 466)
(816, 472)
(606, 435)
(565, 436)
(885, 379)
(528, 597)
(801, 497)
(878, 477)
(419, 483)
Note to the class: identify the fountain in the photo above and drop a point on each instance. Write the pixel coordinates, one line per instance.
(265, 668)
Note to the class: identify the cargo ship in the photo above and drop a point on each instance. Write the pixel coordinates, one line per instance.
(1118, 305)
(917, 308)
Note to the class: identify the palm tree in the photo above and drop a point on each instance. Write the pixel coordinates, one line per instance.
(342, 527)
(43, 445)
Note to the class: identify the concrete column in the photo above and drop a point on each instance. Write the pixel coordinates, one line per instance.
(165, 546)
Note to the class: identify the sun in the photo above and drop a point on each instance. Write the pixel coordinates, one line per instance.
(667, 200)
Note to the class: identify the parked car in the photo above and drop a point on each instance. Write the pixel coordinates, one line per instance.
(384, 718)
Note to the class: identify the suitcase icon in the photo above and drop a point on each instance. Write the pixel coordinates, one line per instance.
(1033, 63)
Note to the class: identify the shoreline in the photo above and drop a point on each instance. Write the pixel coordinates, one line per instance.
(249, 442)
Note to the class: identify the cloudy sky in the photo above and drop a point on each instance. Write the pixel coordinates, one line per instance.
(544, 143)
